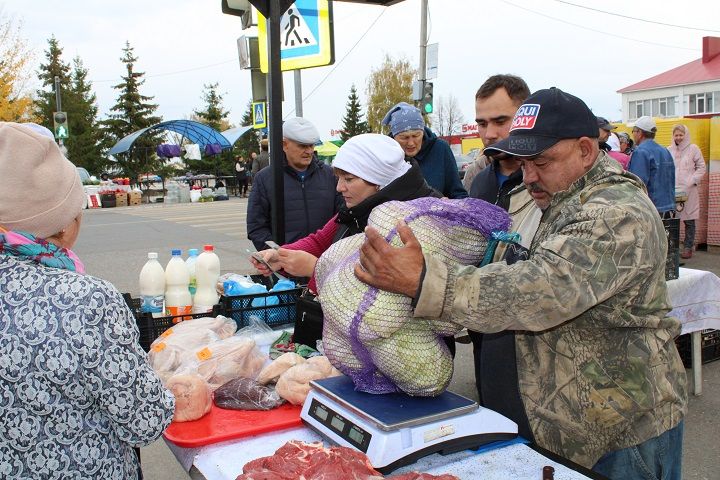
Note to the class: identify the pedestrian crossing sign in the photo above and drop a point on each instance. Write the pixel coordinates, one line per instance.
(306, 36)
(259, 115)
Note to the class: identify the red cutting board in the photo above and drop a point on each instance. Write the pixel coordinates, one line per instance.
(220, 425)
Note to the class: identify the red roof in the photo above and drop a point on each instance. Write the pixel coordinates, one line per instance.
(705, 69)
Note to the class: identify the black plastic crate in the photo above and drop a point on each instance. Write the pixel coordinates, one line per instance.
(243, 307)
(709, 347)
(152, 327)
(672, 261)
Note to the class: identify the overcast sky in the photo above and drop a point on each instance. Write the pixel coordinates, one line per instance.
(183, 44)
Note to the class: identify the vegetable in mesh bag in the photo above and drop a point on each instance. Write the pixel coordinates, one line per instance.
(371, 335)
(246, 394)
(193, 398)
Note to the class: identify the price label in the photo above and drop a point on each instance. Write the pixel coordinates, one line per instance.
(204, 354)
(159, 347)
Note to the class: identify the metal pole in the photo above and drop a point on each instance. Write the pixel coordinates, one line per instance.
(423, 40)
(275, 121)
(58, 108)
(298, 93)
(58, 102)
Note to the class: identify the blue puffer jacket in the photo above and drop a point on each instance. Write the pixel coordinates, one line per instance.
(438, 166)
(309, 204)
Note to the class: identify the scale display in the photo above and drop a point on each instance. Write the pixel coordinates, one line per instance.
(353, 434)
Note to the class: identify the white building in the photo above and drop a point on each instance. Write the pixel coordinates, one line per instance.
(690, 90)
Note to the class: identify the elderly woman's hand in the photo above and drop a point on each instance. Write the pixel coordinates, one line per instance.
(297, 262)
(271, 258)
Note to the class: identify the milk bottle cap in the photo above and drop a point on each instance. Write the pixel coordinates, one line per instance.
(176, 252)
(152, 255)
(208, 248)
(193, 252)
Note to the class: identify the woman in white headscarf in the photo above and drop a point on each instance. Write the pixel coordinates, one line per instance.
(371, 169)
(77, 391)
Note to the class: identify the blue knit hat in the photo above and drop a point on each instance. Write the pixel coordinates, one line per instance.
(403, 117)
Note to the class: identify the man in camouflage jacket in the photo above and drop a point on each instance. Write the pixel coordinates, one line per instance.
(597, 365)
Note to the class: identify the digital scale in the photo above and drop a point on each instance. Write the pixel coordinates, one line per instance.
(396, 429)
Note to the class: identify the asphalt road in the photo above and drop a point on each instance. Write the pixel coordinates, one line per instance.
(114, 243)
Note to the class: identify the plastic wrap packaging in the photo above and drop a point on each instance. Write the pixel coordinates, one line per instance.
(294, 384)
(246, 394)
(193, 398)
(272, 372)
(167, 354)
(222, 361)
(224, 327)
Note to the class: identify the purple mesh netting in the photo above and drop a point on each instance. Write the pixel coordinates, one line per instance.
(370, 335)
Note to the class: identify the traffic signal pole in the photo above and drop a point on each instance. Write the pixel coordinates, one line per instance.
(423, 41)
(58, 102)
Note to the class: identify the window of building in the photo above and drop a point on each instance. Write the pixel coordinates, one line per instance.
(708, 102)
(656, 107)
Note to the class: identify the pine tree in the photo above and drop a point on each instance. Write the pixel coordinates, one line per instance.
(84, 143)
(249, 142)
(133, 111)
(215, 117)
(45, 104)
(352, 121)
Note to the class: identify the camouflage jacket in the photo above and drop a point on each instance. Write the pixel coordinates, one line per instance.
(598, 369)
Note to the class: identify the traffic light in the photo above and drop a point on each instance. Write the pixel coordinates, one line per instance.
(61, 125)
(427, 98)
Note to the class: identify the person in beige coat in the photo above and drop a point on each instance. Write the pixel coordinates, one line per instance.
(689, 171)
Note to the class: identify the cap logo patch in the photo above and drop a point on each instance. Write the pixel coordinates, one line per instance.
(525, 117)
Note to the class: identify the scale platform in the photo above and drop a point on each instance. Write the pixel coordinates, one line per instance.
(396, 429)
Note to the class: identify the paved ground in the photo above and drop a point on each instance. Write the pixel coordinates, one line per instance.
(114, 245)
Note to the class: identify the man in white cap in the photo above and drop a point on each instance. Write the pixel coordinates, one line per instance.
(655, 167)
(309, 185)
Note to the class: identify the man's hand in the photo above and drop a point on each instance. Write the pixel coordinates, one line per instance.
(271, 257)
(297, 262)
(393, 269)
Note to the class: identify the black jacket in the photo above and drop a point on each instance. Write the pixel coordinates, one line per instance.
(438, 166)
(410, 186)
(309, 204)
(485, 186)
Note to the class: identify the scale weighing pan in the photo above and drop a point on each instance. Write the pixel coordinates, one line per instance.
(396, 429)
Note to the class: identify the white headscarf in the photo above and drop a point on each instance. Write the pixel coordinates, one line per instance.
(377, 159)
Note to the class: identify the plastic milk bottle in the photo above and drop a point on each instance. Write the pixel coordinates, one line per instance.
(207, 270)
(190, 262)
(152, 286)
(177, 294)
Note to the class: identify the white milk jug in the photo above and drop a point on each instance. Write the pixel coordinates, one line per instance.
(207, 271)
(152, 286)
(177, 279)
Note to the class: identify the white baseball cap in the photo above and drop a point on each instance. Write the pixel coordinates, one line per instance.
(646, 124)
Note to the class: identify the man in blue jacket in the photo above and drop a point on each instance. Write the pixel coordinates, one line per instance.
(433, 154)
(310, 195)
(655, 167)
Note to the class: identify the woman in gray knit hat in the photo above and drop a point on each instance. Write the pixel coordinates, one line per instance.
(78, 391)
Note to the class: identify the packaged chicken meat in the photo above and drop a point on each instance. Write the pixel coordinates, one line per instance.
(294, 384)
(193, 398)
(167, 354)
(272, 372)
(227, 359)
(223, 327)
(246, 394)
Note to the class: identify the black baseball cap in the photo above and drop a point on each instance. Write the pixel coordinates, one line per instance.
(603, 123)
(546, 117)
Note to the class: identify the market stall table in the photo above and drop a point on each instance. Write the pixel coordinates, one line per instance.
(695, 299)
(224, 461)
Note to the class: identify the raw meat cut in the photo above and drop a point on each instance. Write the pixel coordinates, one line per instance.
(167, 353)
(192, 397)
(297, 460)
(272, 372)
(294, 384)
(246, 394)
